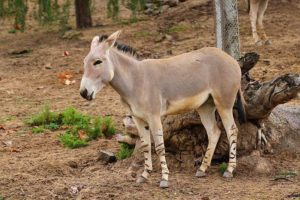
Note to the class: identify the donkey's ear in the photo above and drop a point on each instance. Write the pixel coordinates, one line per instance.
(113, 37)
(95, 42)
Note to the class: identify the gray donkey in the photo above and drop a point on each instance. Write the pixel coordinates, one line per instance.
(205, 80)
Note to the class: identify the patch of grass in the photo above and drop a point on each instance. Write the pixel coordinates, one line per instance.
(44, 117)
(36, 130)
(52, 126)
(72, 117)
(107, 126)
(1, 197)
(12, 31)
(125, 151)
(72, 141)
(287, 174)
(143, 34)
(177, 28)
(81, 128)
(223, 167)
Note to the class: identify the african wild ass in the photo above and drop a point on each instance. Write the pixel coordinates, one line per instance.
(205, 80)
(256, 9)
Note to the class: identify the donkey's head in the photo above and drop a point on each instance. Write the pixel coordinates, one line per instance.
(98, 71)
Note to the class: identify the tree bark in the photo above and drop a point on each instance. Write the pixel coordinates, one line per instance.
(83, 13)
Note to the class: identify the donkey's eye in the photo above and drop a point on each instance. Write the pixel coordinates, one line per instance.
(97, 62)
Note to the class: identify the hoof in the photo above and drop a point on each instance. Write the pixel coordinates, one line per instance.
(227, 174)
(268, 42)
(164, 184)
(200, 174)
(140, 180)
(259, 43)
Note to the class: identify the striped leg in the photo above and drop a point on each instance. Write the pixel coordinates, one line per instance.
(157, 133)
(207, 115)
(260, 16)
(232, 132)
(145, 147)
(253, 18)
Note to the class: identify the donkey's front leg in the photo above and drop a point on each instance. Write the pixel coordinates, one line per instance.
(157, 134)
(145, 147)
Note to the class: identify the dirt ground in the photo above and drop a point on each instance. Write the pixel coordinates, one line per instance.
(38, 167)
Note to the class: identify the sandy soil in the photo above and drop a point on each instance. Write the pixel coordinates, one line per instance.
(38, 167)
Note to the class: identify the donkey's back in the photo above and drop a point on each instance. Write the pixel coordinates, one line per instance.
(194, 75)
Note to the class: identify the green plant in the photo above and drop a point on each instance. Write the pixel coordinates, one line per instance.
(20, 17)
(134, 6)
(223, 167)
(81, 128)
(52, 126)
(44, 117)
(64, 17)
(95, 131)
(72, 141)
(113, 9)
(37, 130)
(1, 197)
(125, 151)
(70, 116)
(107, 126)
(176, 28)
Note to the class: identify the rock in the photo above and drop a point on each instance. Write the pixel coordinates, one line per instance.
(256, 163)
(159, 38)
(169, 37)
(72, 164)
(164, 8)
(106, 157)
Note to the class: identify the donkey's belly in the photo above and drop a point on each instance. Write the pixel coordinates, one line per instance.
(185, 104)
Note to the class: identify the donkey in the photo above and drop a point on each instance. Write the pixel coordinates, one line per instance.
(205, 80)
(256, 9)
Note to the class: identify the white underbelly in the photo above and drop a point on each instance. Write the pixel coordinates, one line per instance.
(185, 104)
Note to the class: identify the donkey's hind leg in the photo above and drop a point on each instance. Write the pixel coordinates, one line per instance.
(207, 115)
(232, 132)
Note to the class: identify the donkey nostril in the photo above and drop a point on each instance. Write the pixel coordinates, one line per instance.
(84, 93)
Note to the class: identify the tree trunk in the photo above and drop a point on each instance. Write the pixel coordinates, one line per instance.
(83, 13)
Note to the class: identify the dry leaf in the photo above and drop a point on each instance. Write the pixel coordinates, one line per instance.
(65, 75)
(15, 150)
(82, 135)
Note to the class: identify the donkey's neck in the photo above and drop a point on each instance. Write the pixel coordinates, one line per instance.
(125, 72)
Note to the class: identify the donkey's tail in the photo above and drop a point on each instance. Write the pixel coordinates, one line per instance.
(240, 107)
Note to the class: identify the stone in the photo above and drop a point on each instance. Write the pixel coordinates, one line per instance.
(106, 157)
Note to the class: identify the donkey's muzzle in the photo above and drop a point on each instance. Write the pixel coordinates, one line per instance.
(84, 94)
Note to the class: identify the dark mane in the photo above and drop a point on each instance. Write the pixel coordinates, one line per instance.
(120, 46)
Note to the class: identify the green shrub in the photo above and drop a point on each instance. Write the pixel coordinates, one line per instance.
(107, 127)
(125, 151)
(81, 128)
(44, 117)
(72, 141)
(37, 130)
(52, 126)
(223, 167)
(95, 131)
(72, 117)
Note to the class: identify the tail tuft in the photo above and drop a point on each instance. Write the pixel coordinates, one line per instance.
(240, 107)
